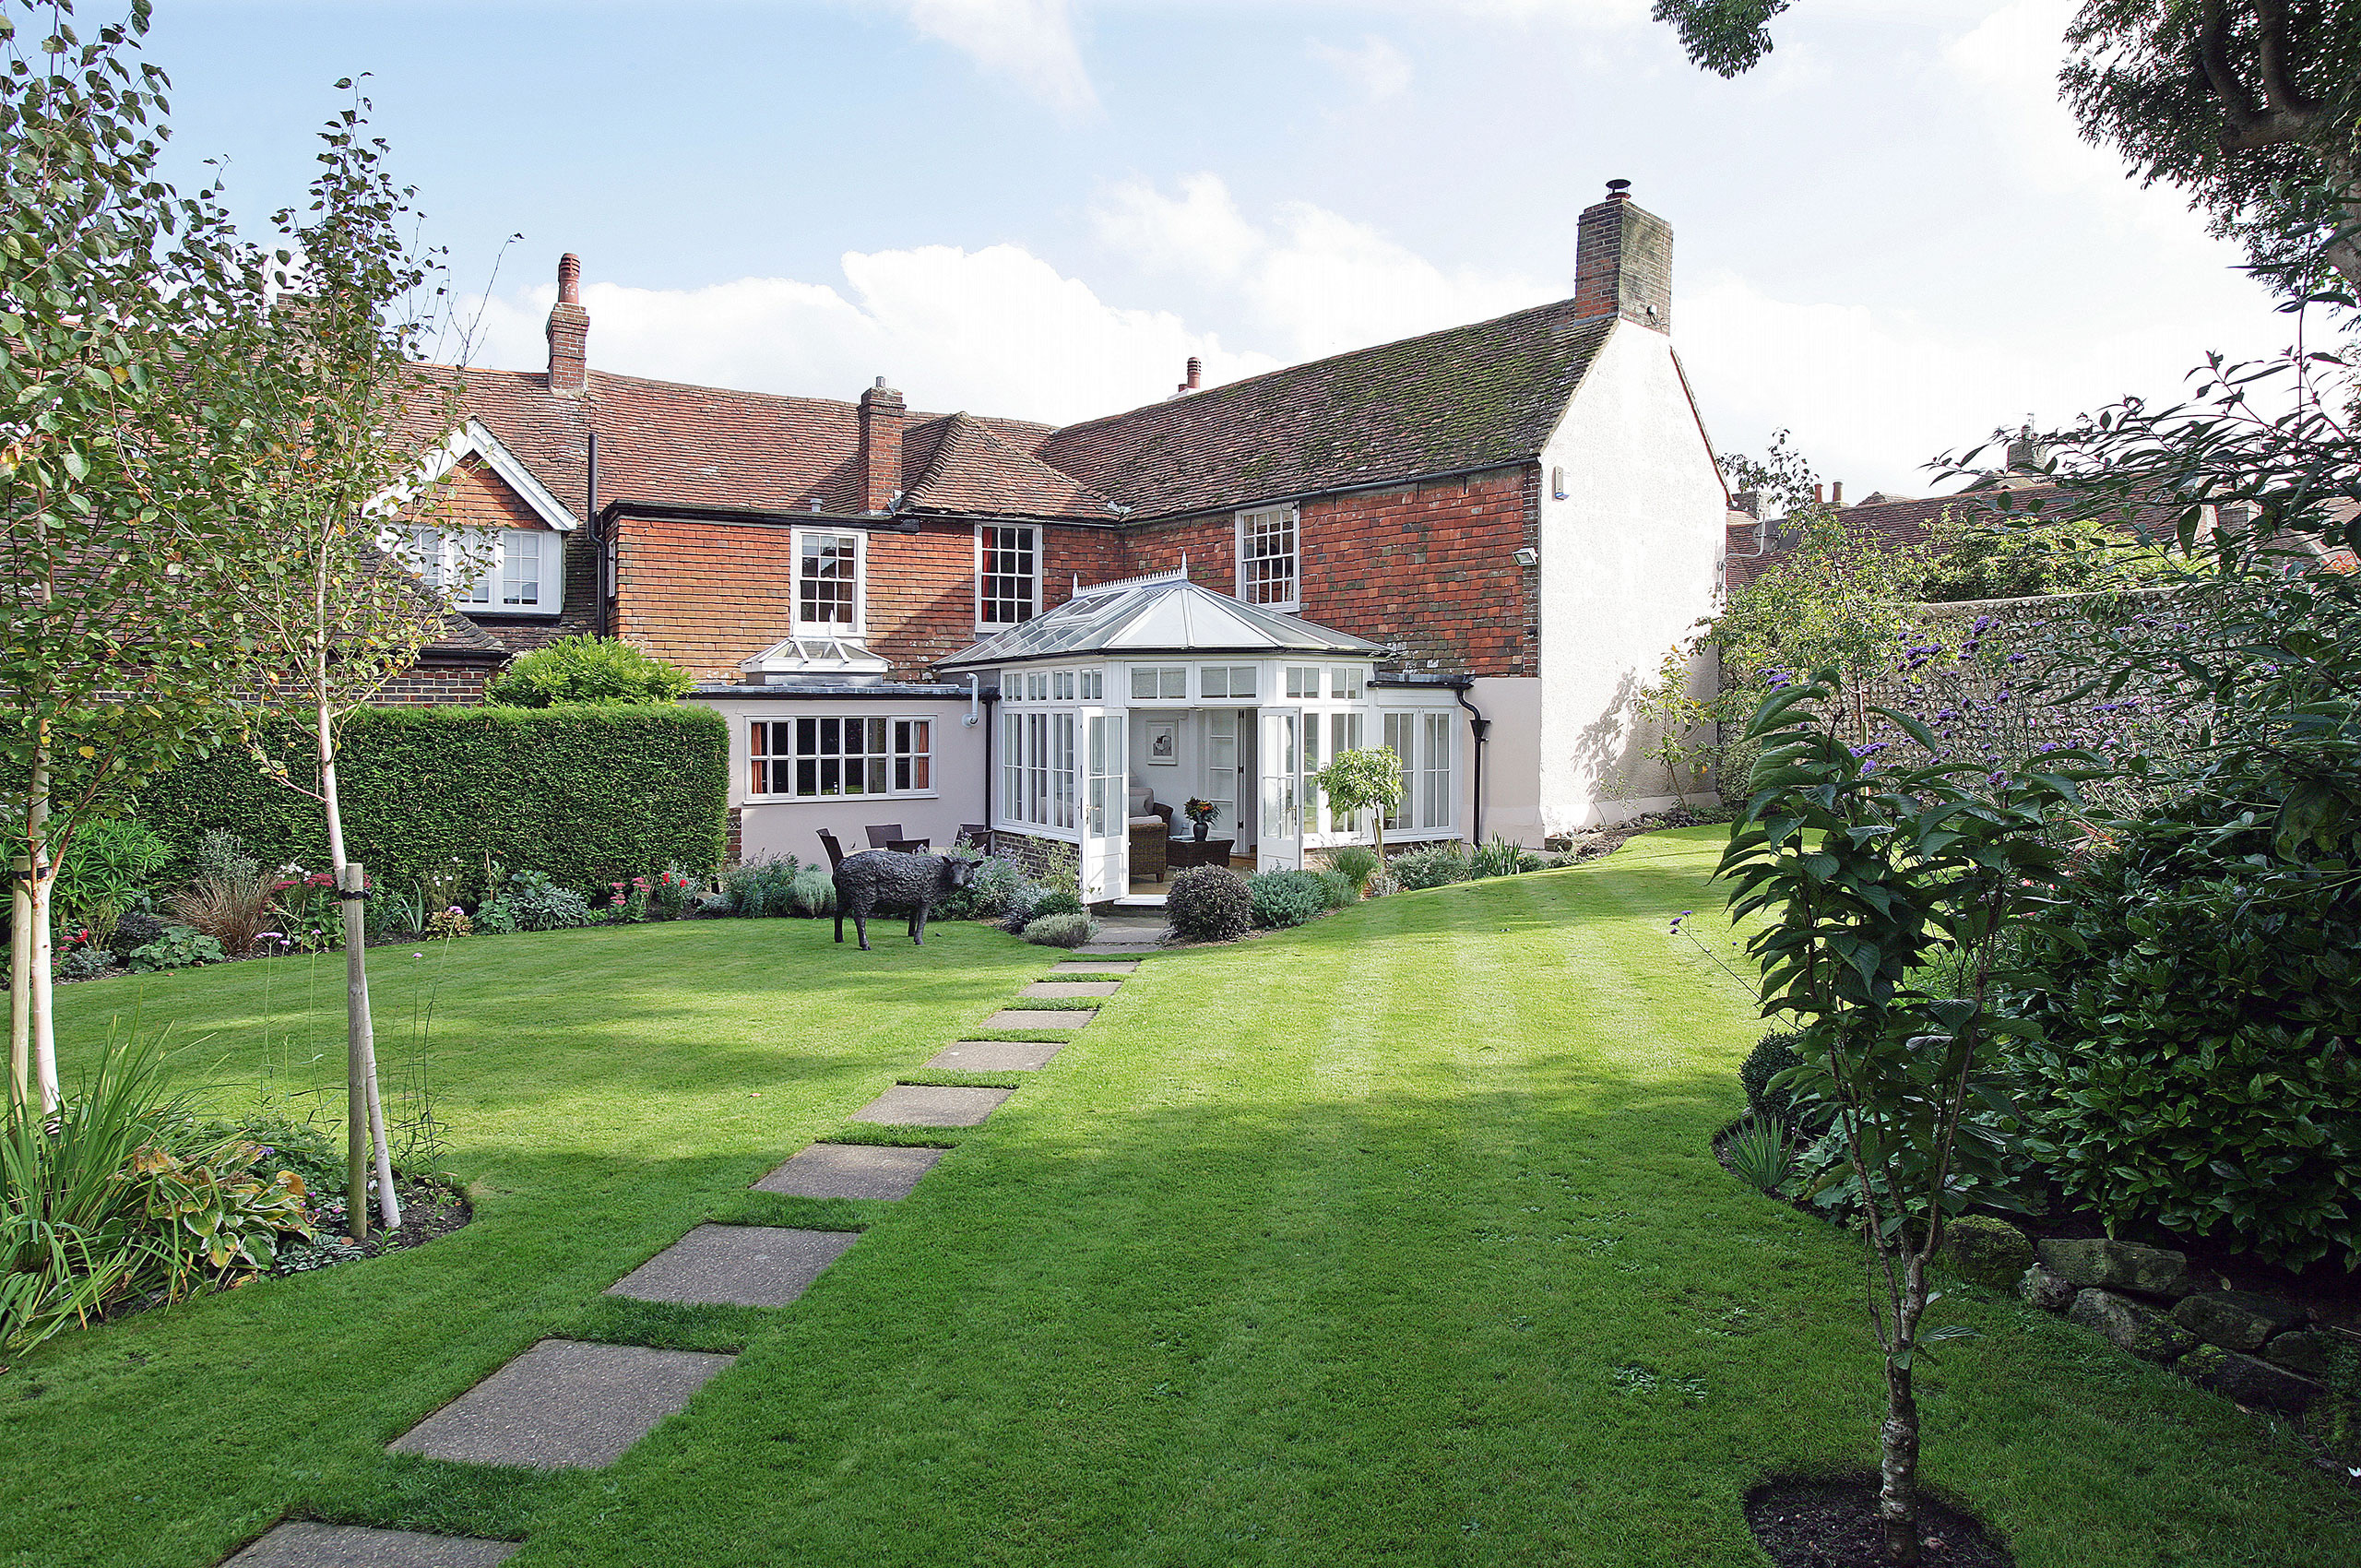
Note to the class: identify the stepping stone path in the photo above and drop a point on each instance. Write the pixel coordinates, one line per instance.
(305, 1545)
(994, 1056)
(918, 1105)
(853, 1170)
(568, 1405)
(1039, 1019)
(562, 1404)
(739, 1266)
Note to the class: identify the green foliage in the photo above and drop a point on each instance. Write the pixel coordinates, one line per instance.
(1369, 779)
(1770, 1090)
(987, 895)
(586, 795)
(1975, 552)
(2199, 999)
(1758, 1153)
(107, 865)
(587, 670)
(1437, 867)
(1209, 903)
(316, 1160)
(178, 948)
(531, 901)
(1726, 37)
(814, 892)
(1281, 898)
(756, 888)
(1498, 857)
(1057, 901)
(1357, 864)
(1338, 887)
(1064, 929)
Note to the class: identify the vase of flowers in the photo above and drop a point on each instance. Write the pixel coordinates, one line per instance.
(1201, 814)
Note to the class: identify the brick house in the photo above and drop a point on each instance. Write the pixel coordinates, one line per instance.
(1489, 536)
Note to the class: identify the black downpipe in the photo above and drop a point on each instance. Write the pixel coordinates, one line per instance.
(604, 620)
(1481, 727)
(990, 694)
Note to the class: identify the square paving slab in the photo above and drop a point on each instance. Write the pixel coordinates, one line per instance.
(1072, 991)
(562, 1404)
(993, 1055)
(305, 1545)
(914, 1105)
(741, 1266)
(1105, 950)
(1096, 967)
(851, 1170)
(1039, 1019)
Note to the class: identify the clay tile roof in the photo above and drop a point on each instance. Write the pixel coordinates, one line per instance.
(969, 468)
(1466, 398)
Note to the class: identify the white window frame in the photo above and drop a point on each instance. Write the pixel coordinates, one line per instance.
(1246, 524)
(901, 756)
(983, 550)
(1228, 681)
(859, 624)
(1429, 806)
(1158, 671)
(484, 556)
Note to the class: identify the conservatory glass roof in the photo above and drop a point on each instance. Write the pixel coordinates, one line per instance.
(1163, 615)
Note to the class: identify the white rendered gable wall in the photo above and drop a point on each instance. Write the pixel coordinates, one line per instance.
(1630, 562)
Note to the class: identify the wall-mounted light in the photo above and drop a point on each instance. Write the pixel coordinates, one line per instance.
(1528, 557)
(1557, 481)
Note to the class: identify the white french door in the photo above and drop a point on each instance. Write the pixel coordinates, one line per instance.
(1221, 772)
(1105, 841)
(1280, 751)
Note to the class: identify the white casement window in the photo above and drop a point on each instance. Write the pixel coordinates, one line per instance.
(1094, 685)
(1008, 574)
(828, 580)
(819, 757)
(1267, 558)
(1344, 681)
(1062, 685)
(1303, 681)
(490, 571)
(1225, 681)
(1160, 682)
(1423, 743)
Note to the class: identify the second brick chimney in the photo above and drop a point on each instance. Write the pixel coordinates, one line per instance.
(881, 447)
(1197, 374)
(569, 332)
(1623, 261)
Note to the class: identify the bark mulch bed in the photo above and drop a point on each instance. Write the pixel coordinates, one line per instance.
(1820, 1523)
(429, 1209)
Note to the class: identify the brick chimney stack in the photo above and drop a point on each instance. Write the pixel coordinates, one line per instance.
(881, 447)
(1623, 261)
(569, 332)
(1196, 372)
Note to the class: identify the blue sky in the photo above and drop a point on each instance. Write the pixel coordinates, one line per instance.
(1888, 239)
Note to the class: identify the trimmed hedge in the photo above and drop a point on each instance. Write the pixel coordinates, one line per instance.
(588, 795)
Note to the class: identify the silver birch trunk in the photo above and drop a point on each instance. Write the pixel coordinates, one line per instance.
(43, 1042)
(364, 1110)
(20, 982)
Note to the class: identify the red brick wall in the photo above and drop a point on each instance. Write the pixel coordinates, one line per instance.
(1432, 566)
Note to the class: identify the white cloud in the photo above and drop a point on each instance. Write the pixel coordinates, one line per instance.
(996, 331)
(1029, 42)
(1310, 281)
(1375, 66)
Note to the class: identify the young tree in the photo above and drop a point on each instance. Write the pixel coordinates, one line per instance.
(113, 542)
(2252, 107)
(1865, 873)
(1369, 779)
(325, 435)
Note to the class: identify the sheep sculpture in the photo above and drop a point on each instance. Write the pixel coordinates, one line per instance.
(887, 879)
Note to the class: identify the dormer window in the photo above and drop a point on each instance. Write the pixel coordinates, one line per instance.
(1267, 558)
(491, 571)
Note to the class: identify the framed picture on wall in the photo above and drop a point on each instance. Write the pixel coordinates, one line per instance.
(1164, 741)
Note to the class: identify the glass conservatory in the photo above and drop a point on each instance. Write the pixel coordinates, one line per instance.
(1122, 705)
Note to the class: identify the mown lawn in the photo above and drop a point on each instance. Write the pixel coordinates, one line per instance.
(1396, 1239)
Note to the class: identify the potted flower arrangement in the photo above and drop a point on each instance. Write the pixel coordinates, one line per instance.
(1200, 813)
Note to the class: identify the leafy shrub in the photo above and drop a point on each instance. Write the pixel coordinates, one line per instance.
(317, 1159)
(135, 929)
(179, 947)
(1384, 884)
(1064, 929)
(229, 901)
(588, 794)
(986, 895)
(532, 902)
(1437, 867)
(1357, 864)
(2198, 1005)
(1340, 890)
(1498, 857)
(1210, 903)
(756, 888)
(603, 672)
(814, 892)
(1024, 899)
(1281, 898)
(1773, 1055)
(1058, 901)
(107, 865)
